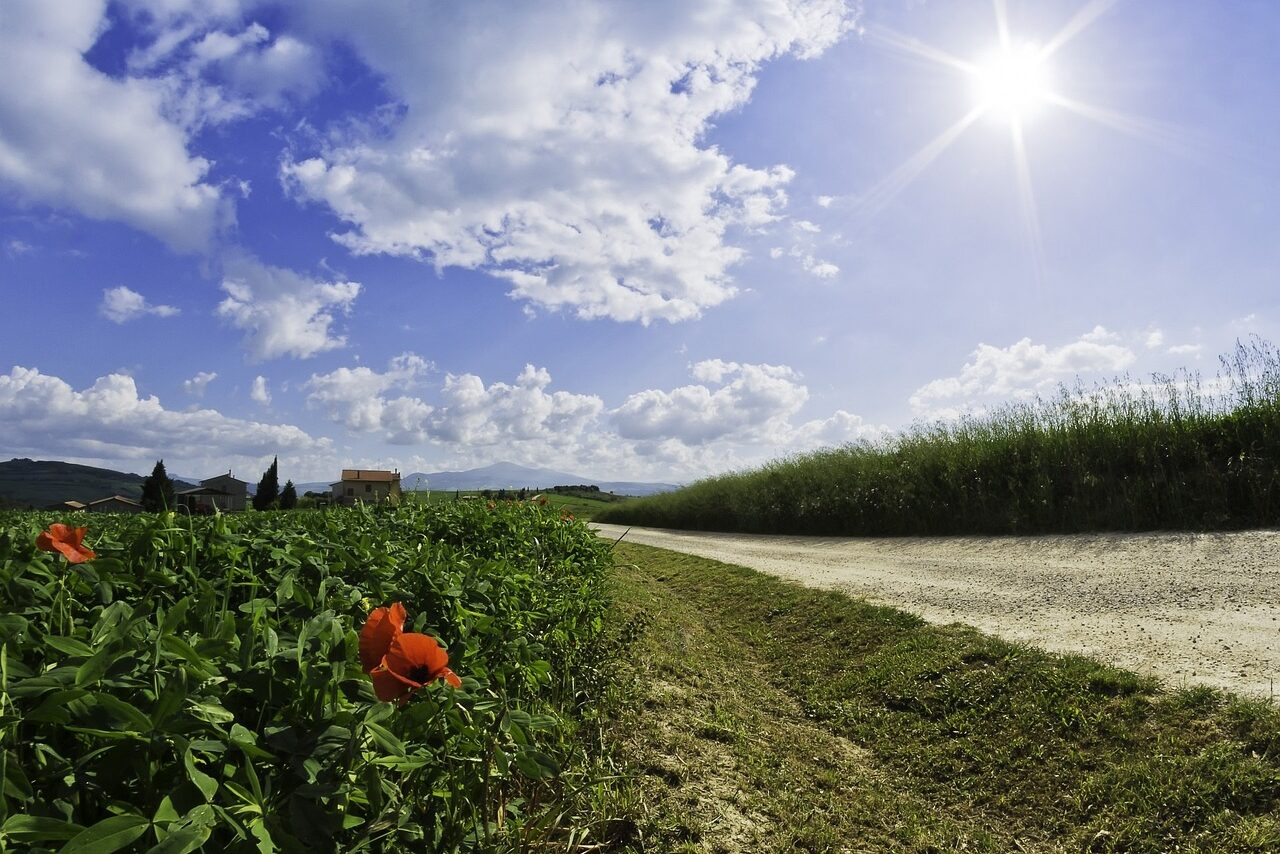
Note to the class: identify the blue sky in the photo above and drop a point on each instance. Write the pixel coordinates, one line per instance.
(650, 241)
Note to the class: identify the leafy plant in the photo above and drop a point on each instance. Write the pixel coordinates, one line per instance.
(197, 682)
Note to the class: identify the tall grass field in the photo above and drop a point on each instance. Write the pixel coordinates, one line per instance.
(198, 683)
(1173, 453)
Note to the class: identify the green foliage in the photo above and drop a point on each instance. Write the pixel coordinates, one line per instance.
(1125, 456)
(198, 683)
(288, 496)
(268, 487)
(157, 490)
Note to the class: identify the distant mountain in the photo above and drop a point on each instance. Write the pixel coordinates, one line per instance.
(511, 476)
(39, 483)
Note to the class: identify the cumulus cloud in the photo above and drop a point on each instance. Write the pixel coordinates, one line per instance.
(747, 409)
(70, 136)
(110, 420)
(1022, 369)
(259, 392)
(752, 402)
(357, 398)
(120, 305)
(561, 145)
(283, 313)
(197, 384)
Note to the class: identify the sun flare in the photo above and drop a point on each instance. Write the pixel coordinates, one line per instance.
(1012, 82)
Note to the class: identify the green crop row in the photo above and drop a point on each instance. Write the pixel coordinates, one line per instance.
(1171, 453)
(198, 684)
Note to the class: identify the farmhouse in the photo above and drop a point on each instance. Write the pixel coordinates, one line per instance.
(222, 493)
(366, 485)
(114, 504)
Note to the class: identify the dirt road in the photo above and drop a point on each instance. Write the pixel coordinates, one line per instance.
(1189, 608)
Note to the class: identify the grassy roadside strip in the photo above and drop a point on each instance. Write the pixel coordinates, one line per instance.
(767, 717)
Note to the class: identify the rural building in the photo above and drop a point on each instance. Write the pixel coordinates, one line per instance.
(114, 504)
(366, 485)
(222, 493)
(67, 505)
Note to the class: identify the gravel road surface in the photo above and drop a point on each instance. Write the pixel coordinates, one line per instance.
(1188, 608)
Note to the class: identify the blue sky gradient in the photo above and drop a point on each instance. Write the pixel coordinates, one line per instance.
(635, 243)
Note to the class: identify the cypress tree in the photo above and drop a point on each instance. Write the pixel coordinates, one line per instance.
(157, 490)
(268, 487)
(288, 496)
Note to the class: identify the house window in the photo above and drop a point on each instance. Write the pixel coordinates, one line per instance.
(351, 490)
(368, 487)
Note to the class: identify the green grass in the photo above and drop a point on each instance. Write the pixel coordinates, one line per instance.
(770, 717)
(582, 505)
(1168, 454)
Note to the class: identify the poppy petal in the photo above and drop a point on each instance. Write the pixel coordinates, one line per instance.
(416, 658)
(451, 678)
(379, 630)
(386, 686)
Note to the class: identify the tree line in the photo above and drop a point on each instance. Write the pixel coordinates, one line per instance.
(158, 492)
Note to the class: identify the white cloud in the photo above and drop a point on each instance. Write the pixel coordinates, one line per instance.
(283, 313)
(71, 136)
(825, 201)
(259, 393)
(1186, 350)
(121, 304)
(197, 384)
(110, 420)
(1020, 370)
(806, 226)
(738, 414)
(15, 248)
(560, 145)
(356, 398)
(1154, 339)
(821, 269)
(753, 402)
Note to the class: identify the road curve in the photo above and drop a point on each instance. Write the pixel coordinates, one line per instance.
(1189, 608)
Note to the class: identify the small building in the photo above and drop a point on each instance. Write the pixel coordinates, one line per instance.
(114, 504)
(67, 505)
(236, 491)
(369, 486)
(222, 493)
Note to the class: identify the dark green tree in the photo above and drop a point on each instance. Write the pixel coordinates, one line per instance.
(288, 496)
(268, 487)
(157, 490)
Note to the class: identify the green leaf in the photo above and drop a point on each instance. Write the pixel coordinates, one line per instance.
(94, 669)
(34, 828)
(384, 738)
(210, 712)
(11, 625)
(175, 616)
(69, 646)
(536, 765)
(124, 712)
(182, 841)
(110, 834)
(206, 784)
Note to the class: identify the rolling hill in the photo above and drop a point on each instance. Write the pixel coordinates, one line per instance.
(39, 483)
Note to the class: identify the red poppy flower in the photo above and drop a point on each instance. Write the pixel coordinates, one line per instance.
(379, 630)
(412, 661)
(400, 662)
(67, 540)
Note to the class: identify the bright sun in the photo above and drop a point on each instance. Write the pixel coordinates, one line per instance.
(1012, 82)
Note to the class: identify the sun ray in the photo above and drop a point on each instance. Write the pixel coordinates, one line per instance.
(1087, 14)
(886, 37)
(878, 197)
(1002, 23)
(1170, 137)
(1027, 201)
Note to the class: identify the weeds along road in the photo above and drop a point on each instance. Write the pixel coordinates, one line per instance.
(1189, 608)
